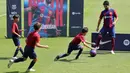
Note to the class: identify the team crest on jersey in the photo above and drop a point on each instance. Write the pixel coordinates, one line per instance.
(110, 13)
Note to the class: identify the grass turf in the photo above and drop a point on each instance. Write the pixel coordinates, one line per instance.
(102, 63)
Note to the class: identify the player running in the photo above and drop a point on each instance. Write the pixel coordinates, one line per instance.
(16, 35)
(108, 14)
(32, 40)
(75, 45)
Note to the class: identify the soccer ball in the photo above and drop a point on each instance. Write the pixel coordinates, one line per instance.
(93, 53)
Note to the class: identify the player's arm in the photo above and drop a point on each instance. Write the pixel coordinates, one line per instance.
(116, 17)
(38, 43)
(13, 31)
(21, 30)
(90, 43)
(84, 42)
(99, 21)
(41, 46)
(86, 45)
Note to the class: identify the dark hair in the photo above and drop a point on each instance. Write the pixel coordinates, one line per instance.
(15, 16)
(106, 2)
(37, 26)
(85, 29)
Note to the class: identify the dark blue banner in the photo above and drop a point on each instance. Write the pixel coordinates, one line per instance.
(13, 8)
(76, 17)
(52, 14)
(122, 42)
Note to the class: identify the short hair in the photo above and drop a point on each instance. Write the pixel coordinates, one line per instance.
(37, 26)
(15, 16)
(106, 2)
(85, 29)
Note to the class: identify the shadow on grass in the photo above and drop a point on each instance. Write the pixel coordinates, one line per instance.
(25, 72)
(66, 60)
(103, 52)
(12, 72)
(17, 72)
(5, 58)
(71, 61)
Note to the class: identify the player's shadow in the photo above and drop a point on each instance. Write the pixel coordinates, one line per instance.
(98, 52)
(66, 60)
(13, 72)
(70, 61)
(25, 72)
(103, 52)
(5, 58)
(18, 72)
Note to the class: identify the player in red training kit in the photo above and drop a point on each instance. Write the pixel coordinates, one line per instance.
(75, 45)
(16, 35)
(32, 40)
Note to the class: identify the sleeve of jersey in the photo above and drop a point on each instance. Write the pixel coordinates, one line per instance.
(115, 14)
(13, 28)
(82, 39)
(101, 15)
(37, 39)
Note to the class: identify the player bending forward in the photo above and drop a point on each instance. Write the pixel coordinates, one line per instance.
(32, 40)
(75, 45)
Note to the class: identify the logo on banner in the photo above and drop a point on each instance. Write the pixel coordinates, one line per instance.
(51, 26)
(105, 42)
(76, 13)
(126, 42)
(76, 27)
(14, 7)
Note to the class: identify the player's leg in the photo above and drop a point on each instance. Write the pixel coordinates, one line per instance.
(80, 51)
(21, 59)
(31, 65)
(19, 46)
(70, 49)
(17, 43)
(25, 56)
(11, 61)
(34, 57)
(102, 31)
(112, 32)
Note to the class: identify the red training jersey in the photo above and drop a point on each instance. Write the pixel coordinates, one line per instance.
(78, 38)
(32, 39)
(15, 28)
(108, 16)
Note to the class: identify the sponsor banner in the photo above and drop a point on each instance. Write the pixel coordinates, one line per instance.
(122, 42)
(13, 8)
(52, 14)
(76, 17)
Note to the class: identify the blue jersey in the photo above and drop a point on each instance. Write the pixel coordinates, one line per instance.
(108, 16)
(42, 13)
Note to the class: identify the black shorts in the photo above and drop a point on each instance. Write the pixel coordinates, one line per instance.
(16, 41)
(29, 52)
(72, 47)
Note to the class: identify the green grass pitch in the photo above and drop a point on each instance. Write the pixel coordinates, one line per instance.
(102, 63)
